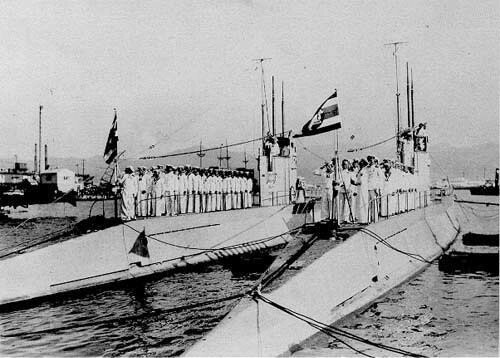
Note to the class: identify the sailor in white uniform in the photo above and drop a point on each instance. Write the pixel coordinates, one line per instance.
(196, 191)
(326, 171)
(183, 190)
(227, 191)
(190, 190)
(218, 190)
(168, 186)
(362, 192)
(158, 202)
(128, 185)
(249, 189)
(203, 191)
(142, 194)
(373, 183)
(175, 192)
(235, 181)
(345, 198)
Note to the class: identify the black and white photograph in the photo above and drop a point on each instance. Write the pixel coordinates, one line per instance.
(249, 178)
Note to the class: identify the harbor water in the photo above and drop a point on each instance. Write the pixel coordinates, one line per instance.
(436, 314)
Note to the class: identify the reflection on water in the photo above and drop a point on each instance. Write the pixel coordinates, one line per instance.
(436, 314)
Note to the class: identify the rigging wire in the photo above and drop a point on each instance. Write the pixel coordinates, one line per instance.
(210, 249)
(165, 137)
(331, 329)
(383, 241)
(371, 145)
(204, 150)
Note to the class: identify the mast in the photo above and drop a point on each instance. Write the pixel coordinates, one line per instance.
(245, 161)
(220, 157)
(201, 155)
(273, 112)
(115, 175)
(398, 126)
(227, 156)
(408, 95)
(412, 109)
(263, 96)
(282, 109)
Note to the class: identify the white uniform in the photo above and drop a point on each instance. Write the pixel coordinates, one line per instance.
(218, 195)
(183, 187)
(249, 192)
(226, 190)
(327, 193)
(346, 196)
(191, 192)
(236, 192)
(158, 199)
(197, 193)
(149, 191)
(373, 184)
(142, 195)
(169, 188)
(129, 190)
(204, 191)
(362, 202)
(175, 194)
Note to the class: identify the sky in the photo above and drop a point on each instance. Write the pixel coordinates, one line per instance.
(181, 72)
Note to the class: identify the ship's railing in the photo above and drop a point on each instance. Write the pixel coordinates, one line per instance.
(175, 204)
(385, 206)
(279, 197)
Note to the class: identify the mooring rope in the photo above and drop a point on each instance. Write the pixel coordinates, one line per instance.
(331, 330)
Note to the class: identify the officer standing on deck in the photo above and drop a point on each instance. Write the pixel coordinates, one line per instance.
(128, 185)
(345, 199)
(326, 172)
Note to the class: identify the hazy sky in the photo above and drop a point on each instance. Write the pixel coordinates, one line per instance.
(181, 71)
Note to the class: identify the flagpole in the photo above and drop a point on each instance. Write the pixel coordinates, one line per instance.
(337, 169)
(116, 172)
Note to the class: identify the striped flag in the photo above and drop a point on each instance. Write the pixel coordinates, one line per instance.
(111, 150)
(325, 119)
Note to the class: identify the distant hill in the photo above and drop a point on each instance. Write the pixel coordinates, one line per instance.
(469, 162)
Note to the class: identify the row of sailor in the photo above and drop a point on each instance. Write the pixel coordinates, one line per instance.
(173, 191)
(369, 189)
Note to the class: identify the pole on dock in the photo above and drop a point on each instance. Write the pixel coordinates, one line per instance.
(35, 164)
(46, 157)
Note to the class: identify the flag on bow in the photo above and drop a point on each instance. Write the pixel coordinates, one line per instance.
(111, 150)
(325, 119)
(140, 246)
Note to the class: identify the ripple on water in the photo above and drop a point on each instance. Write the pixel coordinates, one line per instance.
(434, 314)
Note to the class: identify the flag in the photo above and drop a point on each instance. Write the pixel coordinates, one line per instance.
(140, 246)
(111, 150)
(325, 119)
